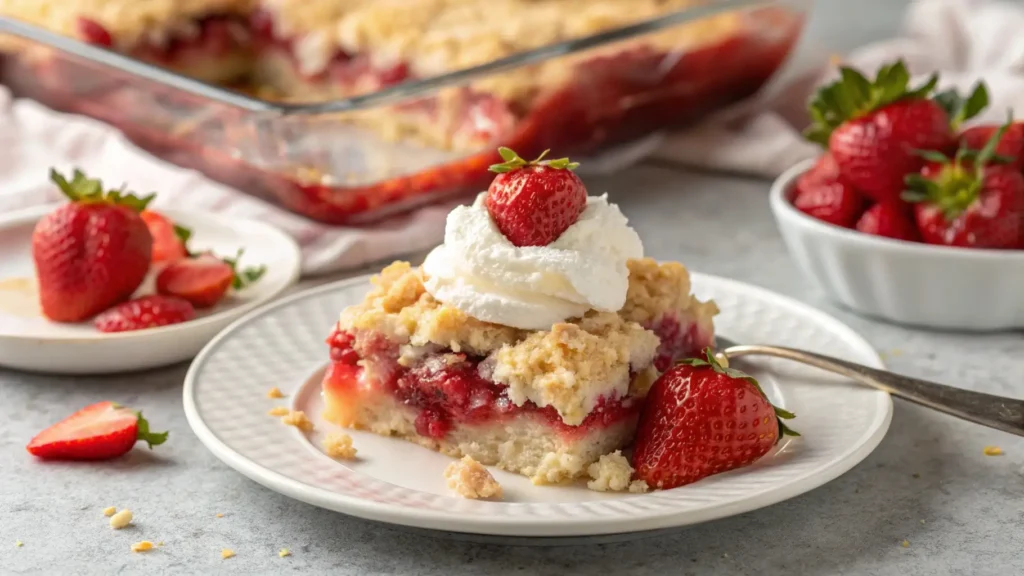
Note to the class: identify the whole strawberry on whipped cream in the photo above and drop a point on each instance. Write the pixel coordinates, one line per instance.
(533, 250)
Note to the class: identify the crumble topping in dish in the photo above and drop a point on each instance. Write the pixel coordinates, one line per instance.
(127, 21)
(471, 480)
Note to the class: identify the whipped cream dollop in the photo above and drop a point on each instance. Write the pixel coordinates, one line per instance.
(483, 274)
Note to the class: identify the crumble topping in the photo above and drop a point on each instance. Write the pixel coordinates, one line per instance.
(471, 480)
(557, 467)
(298, 419)
(127, 21)
(121, 519)
(573, 365)
(569, 367)
(275, 392)
(339, 445)
(656, 289)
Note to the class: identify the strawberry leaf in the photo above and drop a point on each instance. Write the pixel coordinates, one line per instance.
(83, 189)
(932, 155)
(246, 277)
(512, 161)
(853, 95)
(144, 434)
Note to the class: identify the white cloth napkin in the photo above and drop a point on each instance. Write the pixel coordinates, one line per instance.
(963, 39)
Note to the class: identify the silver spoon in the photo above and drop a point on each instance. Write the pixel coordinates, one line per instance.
(1006, 414)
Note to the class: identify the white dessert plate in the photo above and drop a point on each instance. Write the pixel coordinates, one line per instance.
(282, 345)
(28, 341)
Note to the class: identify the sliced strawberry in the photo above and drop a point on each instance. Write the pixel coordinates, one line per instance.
(170, 241)
(890, 220)
(533, 203)
(205, 279)
(146, 312)
(98, 432)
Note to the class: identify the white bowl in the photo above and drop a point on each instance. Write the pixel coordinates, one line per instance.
(904, 282)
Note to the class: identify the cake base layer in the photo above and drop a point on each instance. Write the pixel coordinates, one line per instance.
(524, 444)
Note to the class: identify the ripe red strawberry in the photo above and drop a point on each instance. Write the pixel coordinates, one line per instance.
(891, 220)
(170, 241)
(969, 202)
(823, 194)
(532, 203)
(91, 253)
(874, 128)
(1011, 145)
(98, 432)
(701, 419)
(205, 279)
(146, 312)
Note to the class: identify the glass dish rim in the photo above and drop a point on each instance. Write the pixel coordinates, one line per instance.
(390, 95)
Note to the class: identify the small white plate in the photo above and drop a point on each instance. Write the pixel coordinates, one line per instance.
(282, 345)
(28, 341)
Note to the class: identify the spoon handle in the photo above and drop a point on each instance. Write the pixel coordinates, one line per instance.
(1006, 414)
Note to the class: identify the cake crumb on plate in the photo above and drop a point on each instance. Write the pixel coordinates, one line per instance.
(339, 445)
(471, 480)
(610, 473)
(298, 419)
(278, 411)
(275, 392)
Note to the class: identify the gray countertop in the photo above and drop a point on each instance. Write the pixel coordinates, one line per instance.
(928, 482)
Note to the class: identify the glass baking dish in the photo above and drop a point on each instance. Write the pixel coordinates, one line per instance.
(354, 160)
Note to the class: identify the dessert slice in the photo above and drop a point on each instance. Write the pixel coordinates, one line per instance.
(206, 39)
(544, 403)
(528, 340)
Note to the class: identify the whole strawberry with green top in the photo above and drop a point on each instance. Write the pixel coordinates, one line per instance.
(874, 127)
(92, 252)
(701, 418)
(975, 200)
(532, 203)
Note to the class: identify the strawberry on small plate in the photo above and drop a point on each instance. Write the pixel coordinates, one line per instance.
(30, 341)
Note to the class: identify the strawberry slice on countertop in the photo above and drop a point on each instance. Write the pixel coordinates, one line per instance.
(204, 279)
(700, 419)
(101, 431)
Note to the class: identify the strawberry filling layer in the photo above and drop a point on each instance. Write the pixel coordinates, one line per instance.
(679, 339)
(446, 388)
(214, 36)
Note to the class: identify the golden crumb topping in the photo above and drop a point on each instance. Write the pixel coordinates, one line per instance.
(569, 367)
(298, 419)
(471, 480)
(126, 20)
(611, 472)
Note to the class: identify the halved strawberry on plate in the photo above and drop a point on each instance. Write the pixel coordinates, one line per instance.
(205, 279)
(170, 241)
(100, 431)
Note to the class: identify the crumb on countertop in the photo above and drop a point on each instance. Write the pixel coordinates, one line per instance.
(284, 552)
(339, 445)
(143, 546)
(226, 553)
(905, 544)
(471, 480)
(298, 419)
(18, 543)
(121, 519)
(993, 451)
(275, 392)
(219, 515)
(278, 411)
(109, 511)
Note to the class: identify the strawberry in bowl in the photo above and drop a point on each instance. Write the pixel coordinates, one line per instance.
(908, 216)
